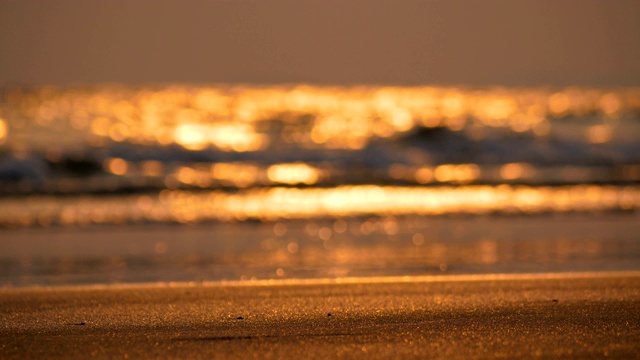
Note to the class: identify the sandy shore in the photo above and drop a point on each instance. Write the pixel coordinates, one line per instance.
(578, 315)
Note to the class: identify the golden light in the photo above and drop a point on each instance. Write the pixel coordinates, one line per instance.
(340, 226)
(118, 132)
(296, 173)
(424, 175)
(515, 171)
(293, 247)
(152, 168)
(431, 120)
(542, 129)
(502, 108)
(242, 118)
(599, 134)
(345, 131)
(238, 174)
(163, 137)
(559, 104)
(401, 120)
(116, 166)
(496, 110)
(295, 203)
(610, 104)
(235, 137)
(279, 229)
(3, 130)
(453, 105)
(292, 203)
(237, 118)
(445, 173)
(455, 123)
(399, 172)
(212, 101)
(417, 239)
(186, 175)
(100, 126)
(191, 136)
(462, 173)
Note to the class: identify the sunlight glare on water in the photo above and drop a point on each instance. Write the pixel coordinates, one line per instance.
(275, 203)
(235, 118)
(115, 154)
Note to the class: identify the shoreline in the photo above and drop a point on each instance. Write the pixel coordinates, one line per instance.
(321, 249)
(364, 280)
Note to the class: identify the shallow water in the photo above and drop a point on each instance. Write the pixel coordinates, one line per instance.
(320, 248)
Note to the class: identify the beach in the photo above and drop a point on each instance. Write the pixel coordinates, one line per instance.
(570, 315)
(316, 221)
(546, 286)
(319, 180)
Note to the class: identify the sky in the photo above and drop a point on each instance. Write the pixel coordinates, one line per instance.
(395, 42)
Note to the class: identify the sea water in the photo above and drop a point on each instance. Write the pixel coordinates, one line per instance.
(117, 183)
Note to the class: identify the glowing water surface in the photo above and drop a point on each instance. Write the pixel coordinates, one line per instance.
(118, 183)
(112, 138)
(276, 203)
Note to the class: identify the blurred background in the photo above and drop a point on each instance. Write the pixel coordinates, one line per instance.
(147, 141)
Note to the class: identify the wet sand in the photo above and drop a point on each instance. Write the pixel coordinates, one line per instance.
(574, 315)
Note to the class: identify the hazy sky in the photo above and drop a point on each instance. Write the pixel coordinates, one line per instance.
(473, 42)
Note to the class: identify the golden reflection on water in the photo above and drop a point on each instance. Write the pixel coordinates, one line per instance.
(513, 171)
(254, 118)
(225, 136)
(322, 248)
(249, 174)
(298, 173)
(236, 174)
(235, 118)
(232, 174)
(598, 134)
(116, 166)
(3, 130)
(299, 203)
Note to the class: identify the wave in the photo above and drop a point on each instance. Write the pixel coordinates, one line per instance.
(113, 140)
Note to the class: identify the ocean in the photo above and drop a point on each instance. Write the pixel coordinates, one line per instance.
(194, 183)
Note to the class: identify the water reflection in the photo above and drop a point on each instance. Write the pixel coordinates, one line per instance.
(275, 203)
(369, 246)
(238, 118)
(314, 181)
(116, 138)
